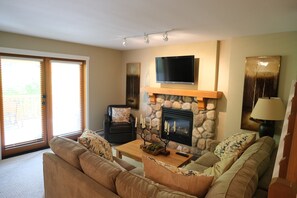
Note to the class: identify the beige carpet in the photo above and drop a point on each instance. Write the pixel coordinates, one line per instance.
(22, 176)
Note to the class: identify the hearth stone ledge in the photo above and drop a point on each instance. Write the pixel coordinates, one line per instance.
(203, 121)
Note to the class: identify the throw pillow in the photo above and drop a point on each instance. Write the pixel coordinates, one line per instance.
(234, 145)
(120, 114)
(191, 182)
(96, 144)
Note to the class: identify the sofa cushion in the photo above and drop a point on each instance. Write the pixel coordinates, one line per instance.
(101, 170)
(220, 167)
(130, 185)
(260, 152)
(190, 182)
(196, 167)
(208, 159)
(265, 179)
(234, 145)
(120, 114)
(245, 171)
(96, 144)
(239, 181)
(68, 150)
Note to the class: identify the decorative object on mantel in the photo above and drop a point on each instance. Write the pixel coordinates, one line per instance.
(154, 148)
(261, 80)
(268, 110)
(201, 96)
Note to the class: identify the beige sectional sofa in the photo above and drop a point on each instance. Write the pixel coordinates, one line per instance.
(73, 171)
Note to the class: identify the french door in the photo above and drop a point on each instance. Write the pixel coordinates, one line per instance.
(40, 98)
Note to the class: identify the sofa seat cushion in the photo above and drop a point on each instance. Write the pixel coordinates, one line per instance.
(196, 167)
(96, 144)
(68, 150)
(234, 145)
(208, 159)
(188, 181)
(119, 127)
(130, 185)
(101, 170)
(220, 167)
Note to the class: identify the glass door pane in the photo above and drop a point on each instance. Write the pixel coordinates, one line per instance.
(22, 100)
(66, 97)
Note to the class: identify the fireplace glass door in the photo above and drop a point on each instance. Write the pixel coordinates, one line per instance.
(180, 125)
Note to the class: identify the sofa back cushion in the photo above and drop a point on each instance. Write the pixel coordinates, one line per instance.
(68, 150)
(101, 170)
(241, 180)
(260, 152)
(130, 185)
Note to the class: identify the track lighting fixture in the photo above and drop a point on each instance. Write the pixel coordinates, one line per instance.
(146, 37)
(165, 36)
(124, 42)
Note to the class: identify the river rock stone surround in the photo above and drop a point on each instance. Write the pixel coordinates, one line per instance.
(203, 120)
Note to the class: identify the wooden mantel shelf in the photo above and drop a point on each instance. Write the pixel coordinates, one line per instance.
(201, 96)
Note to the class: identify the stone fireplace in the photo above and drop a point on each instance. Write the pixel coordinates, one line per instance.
(203, 120)
(181, 125)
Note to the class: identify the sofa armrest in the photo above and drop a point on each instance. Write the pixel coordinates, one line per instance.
(64, 180)
(123, 163)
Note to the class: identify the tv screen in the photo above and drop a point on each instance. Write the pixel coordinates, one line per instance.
(175, 69)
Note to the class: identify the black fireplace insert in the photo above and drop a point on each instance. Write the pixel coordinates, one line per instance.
(181, 125)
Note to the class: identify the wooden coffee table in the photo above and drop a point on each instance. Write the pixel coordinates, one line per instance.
(132, 150)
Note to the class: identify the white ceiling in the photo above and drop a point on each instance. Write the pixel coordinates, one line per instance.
(106, 22)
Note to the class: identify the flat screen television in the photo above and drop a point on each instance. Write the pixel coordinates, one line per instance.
(175, 69)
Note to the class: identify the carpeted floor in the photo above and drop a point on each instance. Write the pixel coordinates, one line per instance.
(22, 176)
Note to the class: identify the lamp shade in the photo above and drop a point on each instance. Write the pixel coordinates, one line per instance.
(269, 109)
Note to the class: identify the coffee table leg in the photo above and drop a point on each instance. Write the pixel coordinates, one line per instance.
(118, 154)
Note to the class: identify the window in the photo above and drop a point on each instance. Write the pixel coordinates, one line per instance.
(40, 98)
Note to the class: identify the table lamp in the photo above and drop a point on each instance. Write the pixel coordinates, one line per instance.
(268, 110)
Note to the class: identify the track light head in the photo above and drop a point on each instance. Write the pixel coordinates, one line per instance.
(124, 42)
(165, 36)
(146, 39)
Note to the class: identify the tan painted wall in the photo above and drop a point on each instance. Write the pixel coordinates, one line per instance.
(232, 54)
(283, 44)
(205, 51)
(105, 70)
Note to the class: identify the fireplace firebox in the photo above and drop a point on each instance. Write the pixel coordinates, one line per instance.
(181, 125)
